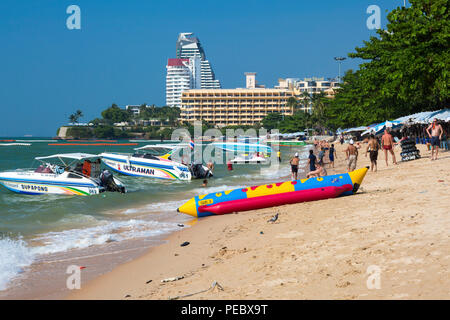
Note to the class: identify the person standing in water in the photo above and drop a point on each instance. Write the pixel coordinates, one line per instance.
(294, 166)
(210, 166)
(279, 155)
(387, 143)
(372, 148)
(352, 156)
(436, 136)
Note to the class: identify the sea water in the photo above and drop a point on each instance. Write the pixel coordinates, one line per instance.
(45, 227)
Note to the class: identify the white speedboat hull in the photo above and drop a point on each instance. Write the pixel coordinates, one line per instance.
(33, 183)
(247, 160)
(149, 168)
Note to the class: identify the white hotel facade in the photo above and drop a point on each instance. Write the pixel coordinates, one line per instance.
(189, 70)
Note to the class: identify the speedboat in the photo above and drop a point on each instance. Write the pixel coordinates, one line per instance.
(155, 161)
(242, 147)
(249, 159)
(71, 174)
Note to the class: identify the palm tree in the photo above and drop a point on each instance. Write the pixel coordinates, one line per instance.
(79, 114)
(306, 99)
(318, 104)
(73, 118)
(292, 103)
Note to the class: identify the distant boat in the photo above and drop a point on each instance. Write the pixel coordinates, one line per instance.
(249, 159)
(14, 144)
(240, 147)
(286, 143)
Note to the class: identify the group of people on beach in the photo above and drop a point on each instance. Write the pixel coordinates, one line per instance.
(373, 145)
(316, 164)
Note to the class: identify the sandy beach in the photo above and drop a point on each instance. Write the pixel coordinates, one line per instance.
(397, 224)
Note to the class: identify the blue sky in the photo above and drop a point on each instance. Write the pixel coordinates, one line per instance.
(119, 55)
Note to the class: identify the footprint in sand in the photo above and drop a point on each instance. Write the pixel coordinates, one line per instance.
(290, 235)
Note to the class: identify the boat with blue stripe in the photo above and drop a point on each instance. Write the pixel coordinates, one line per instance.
(81, 175)
(155, 161)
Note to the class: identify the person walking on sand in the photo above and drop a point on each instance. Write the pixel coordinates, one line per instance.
(436, 136)
(351, 156)
(332, 154)
(294, 166)
(387, 143)
(372, 148)
(321, 155)
(312, 161)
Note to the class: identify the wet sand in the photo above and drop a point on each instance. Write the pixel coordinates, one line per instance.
(398, 224)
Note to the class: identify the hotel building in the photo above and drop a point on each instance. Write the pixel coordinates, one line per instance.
(229, 107)
(309, 85)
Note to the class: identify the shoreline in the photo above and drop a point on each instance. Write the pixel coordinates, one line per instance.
(315, 251)
(37, 282)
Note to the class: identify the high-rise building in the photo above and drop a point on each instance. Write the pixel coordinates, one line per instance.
(182, 74)
(190, 47)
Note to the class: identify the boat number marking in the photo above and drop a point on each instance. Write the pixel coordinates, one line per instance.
(205, 202)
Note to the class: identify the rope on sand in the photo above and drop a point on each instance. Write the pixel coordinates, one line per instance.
(213, 285)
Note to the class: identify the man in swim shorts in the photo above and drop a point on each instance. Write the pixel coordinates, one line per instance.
(351, 156)
(436, 136)
(294, 166)
(387, 143)
(372, 148)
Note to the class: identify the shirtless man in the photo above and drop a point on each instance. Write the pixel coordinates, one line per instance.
(294, 166)
(210, 166)
(372, 149)
(351, 155)
(387, 143)
(436, 136)
(319, 172)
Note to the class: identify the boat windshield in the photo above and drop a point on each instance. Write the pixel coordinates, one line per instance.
(154, 151)
(78, 165)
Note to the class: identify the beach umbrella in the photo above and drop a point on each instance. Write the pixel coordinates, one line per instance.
(443, 115)
(377, 129)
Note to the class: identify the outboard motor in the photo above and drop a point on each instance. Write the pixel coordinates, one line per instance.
(107, 182)
(199, 172)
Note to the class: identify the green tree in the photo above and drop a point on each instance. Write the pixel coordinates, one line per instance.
(405, 69)
(272, 120)
(114, 114)
(292, 103)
